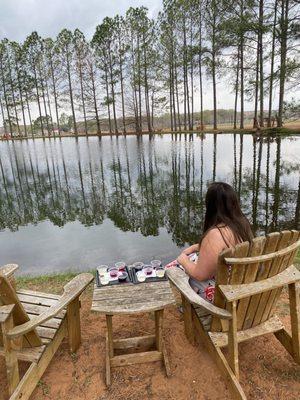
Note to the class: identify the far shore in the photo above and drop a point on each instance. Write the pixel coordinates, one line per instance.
(288, 130)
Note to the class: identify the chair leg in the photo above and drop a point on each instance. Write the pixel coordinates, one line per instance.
(294, 295)
(232, 341)
(188, 320)
(11, 360)
(220, 359)
(74, 329)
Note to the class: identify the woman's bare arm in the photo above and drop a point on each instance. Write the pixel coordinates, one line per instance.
(205, 267)
(192, 249)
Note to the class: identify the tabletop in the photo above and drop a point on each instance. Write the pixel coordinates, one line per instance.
(131, 298)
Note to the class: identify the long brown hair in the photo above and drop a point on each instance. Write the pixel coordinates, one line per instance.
(223, 208)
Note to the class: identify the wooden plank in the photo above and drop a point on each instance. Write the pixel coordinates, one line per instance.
(74, 328)
(136, 358)
(233, 354)
(131, 288)
(187, 318)
(251, 270)
(138, 296)
(39, 294)
(140, 300)
(274, 324)
(5, 312)
(285, 339)
(8, 270)
(280, 253)
(263, 272)
(41, 301)
(220, 360)
(237, 272)
(110, 336)
(166, 361)
(72, 290)
(273, 270)
(38, 310)
(11, 360)
(221, 278)
(286, 262)
(9, 296)
(29, 354)
(36, 371)
(138, 342)
(130, 308)
(235, 292)
(159, 329)
(47, 333)
(53, 323)
(294, 295)
(107, 363)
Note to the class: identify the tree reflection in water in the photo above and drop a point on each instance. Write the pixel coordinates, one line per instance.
(144, 184)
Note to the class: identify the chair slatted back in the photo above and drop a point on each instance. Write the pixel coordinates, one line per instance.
(253, 310)
(8, 295)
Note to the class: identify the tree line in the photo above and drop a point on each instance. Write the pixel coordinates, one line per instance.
(136, 68)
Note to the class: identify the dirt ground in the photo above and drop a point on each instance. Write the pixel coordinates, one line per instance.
(267, 370)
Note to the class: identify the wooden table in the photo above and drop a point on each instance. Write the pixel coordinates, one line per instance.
(133, 299)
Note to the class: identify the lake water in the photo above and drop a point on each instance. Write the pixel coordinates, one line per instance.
(74, 204)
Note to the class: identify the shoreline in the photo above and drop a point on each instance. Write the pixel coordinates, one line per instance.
(264, 132)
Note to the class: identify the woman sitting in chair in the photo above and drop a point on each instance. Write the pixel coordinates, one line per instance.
(224, 226)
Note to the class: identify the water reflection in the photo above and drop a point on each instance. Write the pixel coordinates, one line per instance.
(143, 184)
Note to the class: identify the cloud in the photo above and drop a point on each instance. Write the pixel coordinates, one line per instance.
(18, 18)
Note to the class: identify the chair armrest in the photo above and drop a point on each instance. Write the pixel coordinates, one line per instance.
(237, 292)
(181, 280)
(8, 269)
(71, 291)
(5, 312)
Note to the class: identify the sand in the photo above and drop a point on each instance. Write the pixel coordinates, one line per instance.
(267, 370)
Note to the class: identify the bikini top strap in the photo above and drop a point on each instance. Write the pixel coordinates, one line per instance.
(223, 237)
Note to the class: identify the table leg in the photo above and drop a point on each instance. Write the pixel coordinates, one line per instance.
(159, 339)
(158, 329)
(109, 348)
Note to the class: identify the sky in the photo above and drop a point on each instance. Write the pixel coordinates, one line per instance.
(18, 18)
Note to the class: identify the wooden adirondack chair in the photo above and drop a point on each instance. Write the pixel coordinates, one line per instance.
(250, 278)
(33, 324)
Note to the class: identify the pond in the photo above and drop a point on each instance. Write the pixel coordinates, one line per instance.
(72, 204)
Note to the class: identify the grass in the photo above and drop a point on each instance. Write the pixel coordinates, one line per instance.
(297, 259)
(52, 283)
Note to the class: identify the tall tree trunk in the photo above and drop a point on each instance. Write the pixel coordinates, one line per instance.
(55, 95)
(236, 89)
(261, 63)
(112, 85)
(108, 100)
(82, 94)
(21, 97)
(122, 86)
(177, 96)
(95, 100)
(71, 92)
(6, 98)
(38, 99)
(43, 96)
(29, 113)
(13, 97)
(283, 53)
(272, 63)
(255, 120)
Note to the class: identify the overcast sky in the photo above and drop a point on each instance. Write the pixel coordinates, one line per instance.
(18, 18)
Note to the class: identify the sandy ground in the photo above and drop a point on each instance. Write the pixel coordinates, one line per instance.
(267, 370)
